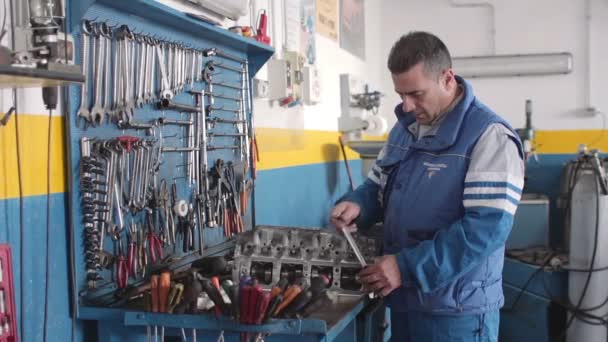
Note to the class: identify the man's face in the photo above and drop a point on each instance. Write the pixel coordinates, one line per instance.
(425, 94)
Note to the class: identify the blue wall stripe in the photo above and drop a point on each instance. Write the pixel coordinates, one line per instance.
(34, 265)
(302, 195)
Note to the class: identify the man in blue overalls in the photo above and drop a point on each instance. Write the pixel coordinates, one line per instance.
(446, 185)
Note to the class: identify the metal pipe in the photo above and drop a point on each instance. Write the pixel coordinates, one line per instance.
(226, 85)
(191, 154)
(217, 52)
(212, 94)
(220, 120)
(179, 149)
(213, 134)
(168, 104)
(135, 125)
(213, 148)
(165, 121)
(204, 164)
(210, 108)
(225, 67)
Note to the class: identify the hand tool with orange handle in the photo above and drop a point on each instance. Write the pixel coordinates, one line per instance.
(278, 288)
(164, 285)
(154, 283)
(290, 294)
(298, 303)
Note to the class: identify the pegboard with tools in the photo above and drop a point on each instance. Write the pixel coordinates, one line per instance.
(160, 144)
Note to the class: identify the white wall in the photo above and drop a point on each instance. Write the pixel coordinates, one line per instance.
(331, 62)
(521, 27)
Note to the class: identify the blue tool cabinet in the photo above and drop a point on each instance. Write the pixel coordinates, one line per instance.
(166, 24)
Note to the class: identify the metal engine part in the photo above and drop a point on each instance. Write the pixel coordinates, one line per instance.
(269, 253)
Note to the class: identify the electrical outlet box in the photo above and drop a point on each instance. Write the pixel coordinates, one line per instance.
(311, 86)
(279, 79)
(296, 67)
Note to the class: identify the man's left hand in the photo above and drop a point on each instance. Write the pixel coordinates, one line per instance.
(382, 277)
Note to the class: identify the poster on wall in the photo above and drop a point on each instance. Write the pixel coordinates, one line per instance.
(307, 34)
(352, 27)
(327, 18)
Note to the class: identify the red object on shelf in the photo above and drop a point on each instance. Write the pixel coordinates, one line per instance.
(8, 315)
(262, 35)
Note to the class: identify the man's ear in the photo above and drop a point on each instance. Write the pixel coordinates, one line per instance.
(448, 78)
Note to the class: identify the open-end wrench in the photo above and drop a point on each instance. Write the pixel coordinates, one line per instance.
(142, 48)
(165, 92)
(117, 103)
(83, 112)
(130, 61)
(169, 66)
(107, 103)
(150, 90)
(146, 96)
(124, 113)
(355, 248)
(97, 113)
(176, 69)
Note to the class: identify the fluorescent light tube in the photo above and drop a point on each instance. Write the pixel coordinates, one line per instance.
(513, 65)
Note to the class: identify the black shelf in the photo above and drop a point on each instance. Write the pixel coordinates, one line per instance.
(26, 77)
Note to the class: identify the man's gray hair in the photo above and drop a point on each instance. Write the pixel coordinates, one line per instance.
(416, 47)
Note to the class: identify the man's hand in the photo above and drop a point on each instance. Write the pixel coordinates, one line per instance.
(344, 214)
(382, 277)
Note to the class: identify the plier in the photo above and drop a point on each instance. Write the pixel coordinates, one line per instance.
(155, 246)
(122, 268)
(132, 261)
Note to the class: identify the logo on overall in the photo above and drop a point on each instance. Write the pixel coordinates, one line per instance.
(432, 169)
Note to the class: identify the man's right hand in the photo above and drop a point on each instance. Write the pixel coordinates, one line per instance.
(344, 214)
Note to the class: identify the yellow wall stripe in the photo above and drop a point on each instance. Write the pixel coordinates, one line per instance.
(289, 147)
(278, 148)
(33, 140)
(568, 141)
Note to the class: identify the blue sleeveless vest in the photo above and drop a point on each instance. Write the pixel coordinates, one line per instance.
(421, 191)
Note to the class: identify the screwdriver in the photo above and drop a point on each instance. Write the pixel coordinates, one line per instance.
(164, 286)
(255, 299)
(264, 300)
(154, 280)
(275, 299)
(317, 287)
(154, 283)
(279, 288)
(290, 294)
(298, 303)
